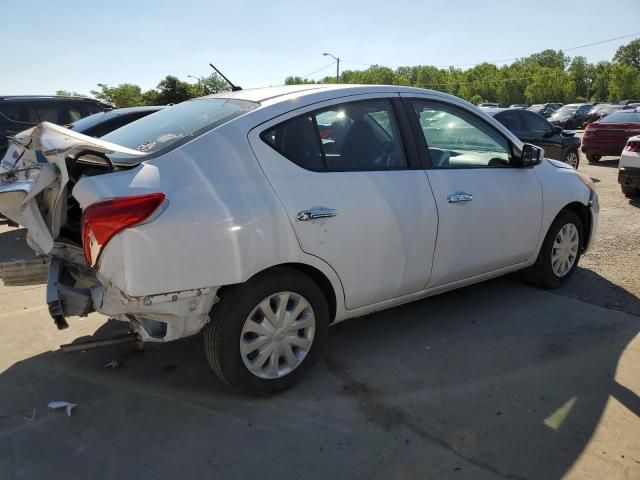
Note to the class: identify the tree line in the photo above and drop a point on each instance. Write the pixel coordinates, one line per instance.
(548, 76)
(169, 90)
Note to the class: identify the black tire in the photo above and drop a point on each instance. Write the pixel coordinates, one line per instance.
(541, 273)
(629, 191)
(577, 157)
(222, 334)
(592, 158)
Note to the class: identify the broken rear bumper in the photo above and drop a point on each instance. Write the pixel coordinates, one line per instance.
(74, 290)
(65, 300)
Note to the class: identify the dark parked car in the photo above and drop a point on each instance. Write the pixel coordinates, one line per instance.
(544, 109)
(600, 111)
(609, 135)
(17, 113)
(571, 116)
(533, 128)
(100, 124)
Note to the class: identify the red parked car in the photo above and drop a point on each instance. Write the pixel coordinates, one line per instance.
(609, 135)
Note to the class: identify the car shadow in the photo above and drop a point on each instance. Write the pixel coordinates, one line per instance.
(496, 380)
(606, 162)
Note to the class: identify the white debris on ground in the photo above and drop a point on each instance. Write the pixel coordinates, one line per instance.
(66, 405)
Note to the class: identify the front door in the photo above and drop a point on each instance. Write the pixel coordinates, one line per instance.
(490, 212)
(355, 196)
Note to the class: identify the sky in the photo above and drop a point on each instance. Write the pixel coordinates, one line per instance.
(74, 45)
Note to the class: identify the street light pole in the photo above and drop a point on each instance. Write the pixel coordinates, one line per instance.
(337, 59)
(199, 79)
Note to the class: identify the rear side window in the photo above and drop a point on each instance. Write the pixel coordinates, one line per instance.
(175, 125)
(510, 119)
(619, 117)
(61, 113)
(535, 123)
(24, 112)
(356, 136)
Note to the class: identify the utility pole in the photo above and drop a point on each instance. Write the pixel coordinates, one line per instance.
(200, 84)
(337, 59)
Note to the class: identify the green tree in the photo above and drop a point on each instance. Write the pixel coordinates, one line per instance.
(68, 93)
(124, 95)
(173, 90)
(600, 84)
(629, 54)
(297, 81)
(624, 82)
(547, 85)
(214, 83)
(581, 73)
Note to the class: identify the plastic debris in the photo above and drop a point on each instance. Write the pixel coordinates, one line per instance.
(32, 417)
(68, 406)
(112, 364)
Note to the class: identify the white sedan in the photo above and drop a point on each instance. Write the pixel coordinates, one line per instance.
(264, 216)
(629, 168)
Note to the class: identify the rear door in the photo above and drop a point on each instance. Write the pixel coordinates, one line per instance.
(490, 212)
(354, 192)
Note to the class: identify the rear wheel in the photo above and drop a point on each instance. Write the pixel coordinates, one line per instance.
(629, 191)
(560, 252)
(592, 158)
(264, 335)
(572, 158)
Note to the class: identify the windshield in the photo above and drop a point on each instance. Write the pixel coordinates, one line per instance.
(620, 117)
(175, 125)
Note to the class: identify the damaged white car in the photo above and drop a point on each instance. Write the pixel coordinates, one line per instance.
(264, 216)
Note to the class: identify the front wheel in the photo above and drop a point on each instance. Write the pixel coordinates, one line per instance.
(572, 158)
(265, 334)
(592, 158)
(560, 252)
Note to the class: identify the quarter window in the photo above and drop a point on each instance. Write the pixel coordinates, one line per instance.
(458, 139)
(347, 137)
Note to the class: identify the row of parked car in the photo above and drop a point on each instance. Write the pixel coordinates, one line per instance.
(84, 115)
(573, 115)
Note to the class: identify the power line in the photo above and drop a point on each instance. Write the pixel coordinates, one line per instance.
(319, 70)
(504, 60)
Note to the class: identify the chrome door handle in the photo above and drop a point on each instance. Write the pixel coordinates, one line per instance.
(459, 197)
(314, 213)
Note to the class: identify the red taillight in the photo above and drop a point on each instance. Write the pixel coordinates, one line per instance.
(632, 146)
(101, 221)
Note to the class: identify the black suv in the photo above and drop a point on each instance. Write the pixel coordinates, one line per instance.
(18, 113)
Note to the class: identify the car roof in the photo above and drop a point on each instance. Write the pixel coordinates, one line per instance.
(494, 110)
(47, 97)
(125, 111)
(284, 93)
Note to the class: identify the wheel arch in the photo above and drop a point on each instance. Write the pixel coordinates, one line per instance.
(585, 215)
(314, 273)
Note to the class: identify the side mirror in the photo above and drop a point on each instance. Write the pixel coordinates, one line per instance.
(530, 156)
(557, 129)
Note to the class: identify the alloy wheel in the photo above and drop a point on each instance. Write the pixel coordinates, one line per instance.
(572, 159)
